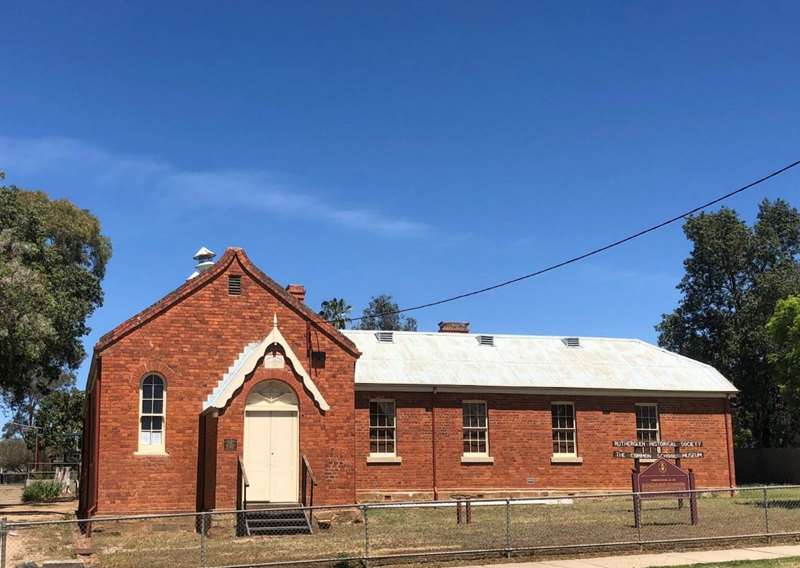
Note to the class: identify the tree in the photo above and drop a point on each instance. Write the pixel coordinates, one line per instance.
(14, 454)
(784, 329)
(734, 277)
(336, 311)
(52, 262)
(59, 420)
(381, 313)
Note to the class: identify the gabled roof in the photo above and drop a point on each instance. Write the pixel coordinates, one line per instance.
(460, 360)
(191, 286)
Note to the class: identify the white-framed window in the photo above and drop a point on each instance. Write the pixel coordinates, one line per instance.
(382, 428)
(647, 427)
(476, 428)
(152, 414)
(564, 434)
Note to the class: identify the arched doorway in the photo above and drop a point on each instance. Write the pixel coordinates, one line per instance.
(271, 447)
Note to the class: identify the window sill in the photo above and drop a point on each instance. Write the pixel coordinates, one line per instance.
(555, 459)
(377, 458)
(477, 459)
(152, 453)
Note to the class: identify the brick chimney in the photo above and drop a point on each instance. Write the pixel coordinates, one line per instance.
(298, 291)
(453, 327)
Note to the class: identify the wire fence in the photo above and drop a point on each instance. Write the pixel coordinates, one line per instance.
(38, 470)
(382, 533)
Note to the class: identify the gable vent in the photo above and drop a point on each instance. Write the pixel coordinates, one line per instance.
(234, 285)
(486, 340)
(385, 336)
(572, 341)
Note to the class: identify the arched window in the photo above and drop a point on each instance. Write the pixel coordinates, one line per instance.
(151, 414)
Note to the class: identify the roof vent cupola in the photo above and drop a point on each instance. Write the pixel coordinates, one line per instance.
(205, 260)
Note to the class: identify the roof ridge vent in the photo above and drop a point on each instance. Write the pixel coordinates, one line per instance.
(205, 260)
(572, 341)
(486, 340)
(384, 336)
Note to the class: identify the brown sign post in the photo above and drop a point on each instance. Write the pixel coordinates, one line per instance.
(661, 479)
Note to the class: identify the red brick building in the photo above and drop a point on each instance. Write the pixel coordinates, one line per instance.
(233, 376)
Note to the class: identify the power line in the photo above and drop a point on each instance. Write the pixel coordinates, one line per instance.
(592, 252)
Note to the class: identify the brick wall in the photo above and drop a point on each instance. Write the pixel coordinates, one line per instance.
(191, 345)
(520, 443)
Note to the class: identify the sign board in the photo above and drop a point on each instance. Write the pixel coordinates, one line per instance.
(662, 476)
(654, 455)
(663, 480)
(657, 444)
(655, 449)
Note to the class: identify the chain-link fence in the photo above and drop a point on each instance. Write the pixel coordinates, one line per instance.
(346, 534)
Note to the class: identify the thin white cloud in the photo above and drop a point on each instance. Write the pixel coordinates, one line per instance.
(264, 191)
(224, 189)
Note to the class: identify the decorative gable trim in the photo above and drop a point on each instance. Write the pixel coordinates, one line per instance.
(246, 364)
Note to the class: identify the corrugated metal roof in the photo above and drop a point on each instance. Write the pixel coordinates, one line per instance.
(514, 361)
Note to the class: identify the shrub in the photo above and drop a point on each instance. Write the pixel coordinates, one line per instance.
(42, 491)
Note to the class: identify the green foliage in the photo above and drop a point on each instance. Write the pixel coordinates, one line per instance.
(45, 491)
(734, 277)
(60, 417)
(336, 311)
(381, 314)
(52, 261)
(784, 328)
(14, 454)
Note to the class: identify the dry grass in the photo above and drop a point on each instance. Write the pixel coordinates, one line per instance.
(173, 543)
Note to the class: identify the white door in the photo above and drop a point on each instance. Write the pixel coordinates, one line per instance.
(271, 458)
(283, 458)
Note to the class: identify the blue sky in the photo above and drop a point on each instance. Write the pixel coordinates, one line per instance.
(418, 149)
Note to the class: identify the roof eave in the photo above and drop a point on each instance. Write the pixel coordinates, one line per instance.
(537, 390)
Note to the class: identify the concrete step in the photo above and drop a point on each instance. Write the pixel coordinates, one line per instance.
(261, 519)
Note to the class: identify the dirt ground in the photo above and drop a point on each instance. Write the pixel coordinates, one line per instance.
(25, 544)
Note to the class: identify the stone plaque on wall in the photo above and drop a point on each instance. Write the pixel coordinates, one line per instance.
(230, 445)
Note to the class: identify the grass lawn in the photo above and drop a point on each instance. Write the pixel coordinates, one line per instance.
(173, 543)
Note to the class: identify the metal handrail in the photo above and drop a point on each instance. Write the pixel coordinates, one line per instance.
(242, 484)
(244, 473)
(310, 471)
(308, 476)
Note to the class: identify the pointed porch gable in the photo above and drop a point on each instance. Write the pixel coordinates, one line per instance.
(246, 364)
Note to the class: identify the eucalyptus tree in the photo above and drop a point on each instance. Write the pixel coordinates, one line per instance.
(734, 276)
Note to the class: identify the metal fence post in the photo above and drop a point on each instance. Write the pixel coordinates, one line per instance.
(203, 529)
(364, 509)
(508, 528)
(3, 541)
(766, 512)
(637, 513)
